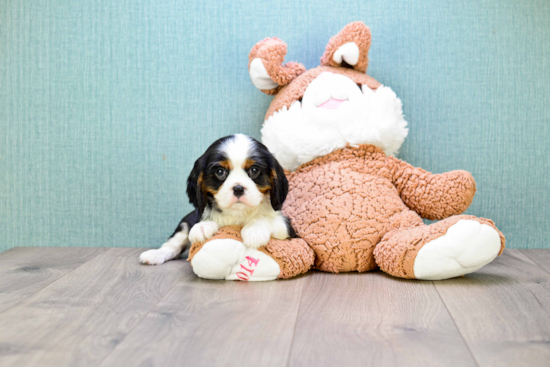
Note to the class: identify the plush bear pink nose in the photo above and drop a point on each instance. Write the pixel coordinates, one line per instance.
(332, 104)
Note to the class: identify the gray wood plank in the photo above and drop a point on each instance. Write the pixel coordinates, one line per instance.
(26, 270)
(215, 323)
(503, 311)
(373, 319)
(541, 257)
(79, 320)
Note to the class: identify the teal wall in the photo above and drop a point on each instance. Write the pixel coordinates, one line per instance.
(104, 105)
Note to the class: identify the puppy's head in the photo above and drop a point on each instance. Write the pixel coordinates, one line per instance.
(237, 173)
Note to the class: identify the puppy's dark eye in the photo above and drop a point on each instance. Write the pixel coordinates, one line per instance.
(253, 172)
(221, 174)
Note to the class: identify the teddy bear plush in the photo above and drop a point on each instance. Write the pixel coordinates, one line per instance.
(354, 206)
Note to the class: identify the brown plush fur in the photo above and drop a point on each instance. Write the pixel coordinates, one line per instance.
(343, 204)
(356, 208)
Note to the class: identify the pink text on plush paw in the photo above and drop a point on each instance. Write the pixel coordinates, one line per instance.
(252, 263)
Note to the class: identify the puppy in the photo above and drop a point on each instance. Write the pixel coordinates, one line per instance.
(237, 181)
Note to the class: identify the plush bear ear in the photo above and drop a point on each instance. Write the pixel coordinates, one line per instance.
(265, 65)
(349, 48)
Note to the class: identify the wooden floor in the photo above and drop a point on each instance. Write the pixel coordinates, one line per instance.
(99, 307)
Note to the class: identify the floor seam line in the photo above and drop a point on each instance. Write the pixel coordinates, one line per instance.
(456, 326)
(533, 260)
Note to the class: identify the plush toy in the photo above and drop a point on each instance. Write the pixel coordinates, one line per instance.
(354, 206)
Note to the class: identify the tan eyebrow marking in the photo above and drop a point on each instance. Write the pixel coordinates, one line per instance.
(248, 163)
(226, 164)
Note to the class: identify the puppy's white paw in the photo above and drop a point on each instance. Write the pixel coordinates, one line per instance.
(279, 228)
(255, 236)
(203, 231)
(154, 257)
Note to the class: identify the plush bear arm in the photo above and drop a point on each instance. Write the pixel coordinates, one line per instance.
(433, 196)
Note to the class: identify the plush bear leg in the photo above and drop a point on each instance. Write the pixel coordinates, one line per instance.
(449, 248)
(224, 256)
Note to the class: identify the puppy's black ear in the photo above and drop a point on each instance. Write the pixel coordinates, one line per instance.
(196, 194)
(279, 186)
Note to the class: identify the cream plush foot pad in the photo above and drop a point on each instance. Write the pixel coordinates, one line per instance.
(232, 260)
(466, 247)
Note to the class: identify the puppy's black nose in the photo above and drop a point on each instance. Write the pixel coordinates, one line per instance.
(238, 191)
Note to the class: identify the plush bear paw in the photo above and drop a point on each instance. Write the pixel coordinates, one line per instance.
(231, 260)
(466, 247)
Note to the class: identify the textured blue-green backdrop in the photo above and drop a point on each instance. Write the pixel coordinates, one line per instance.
(104, 105)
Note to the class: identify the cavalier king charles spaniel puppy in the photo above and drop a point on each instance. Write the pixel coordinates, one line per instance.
(237, 181)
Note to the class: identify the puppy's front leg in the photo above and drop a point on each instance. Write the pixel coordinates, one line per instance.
(281, 228)
(175, 245)
(203, 231)
(256, 233)
(171, 249)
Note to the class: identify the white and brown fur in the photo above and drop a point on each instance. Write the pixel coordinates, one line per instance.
(237, 181)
